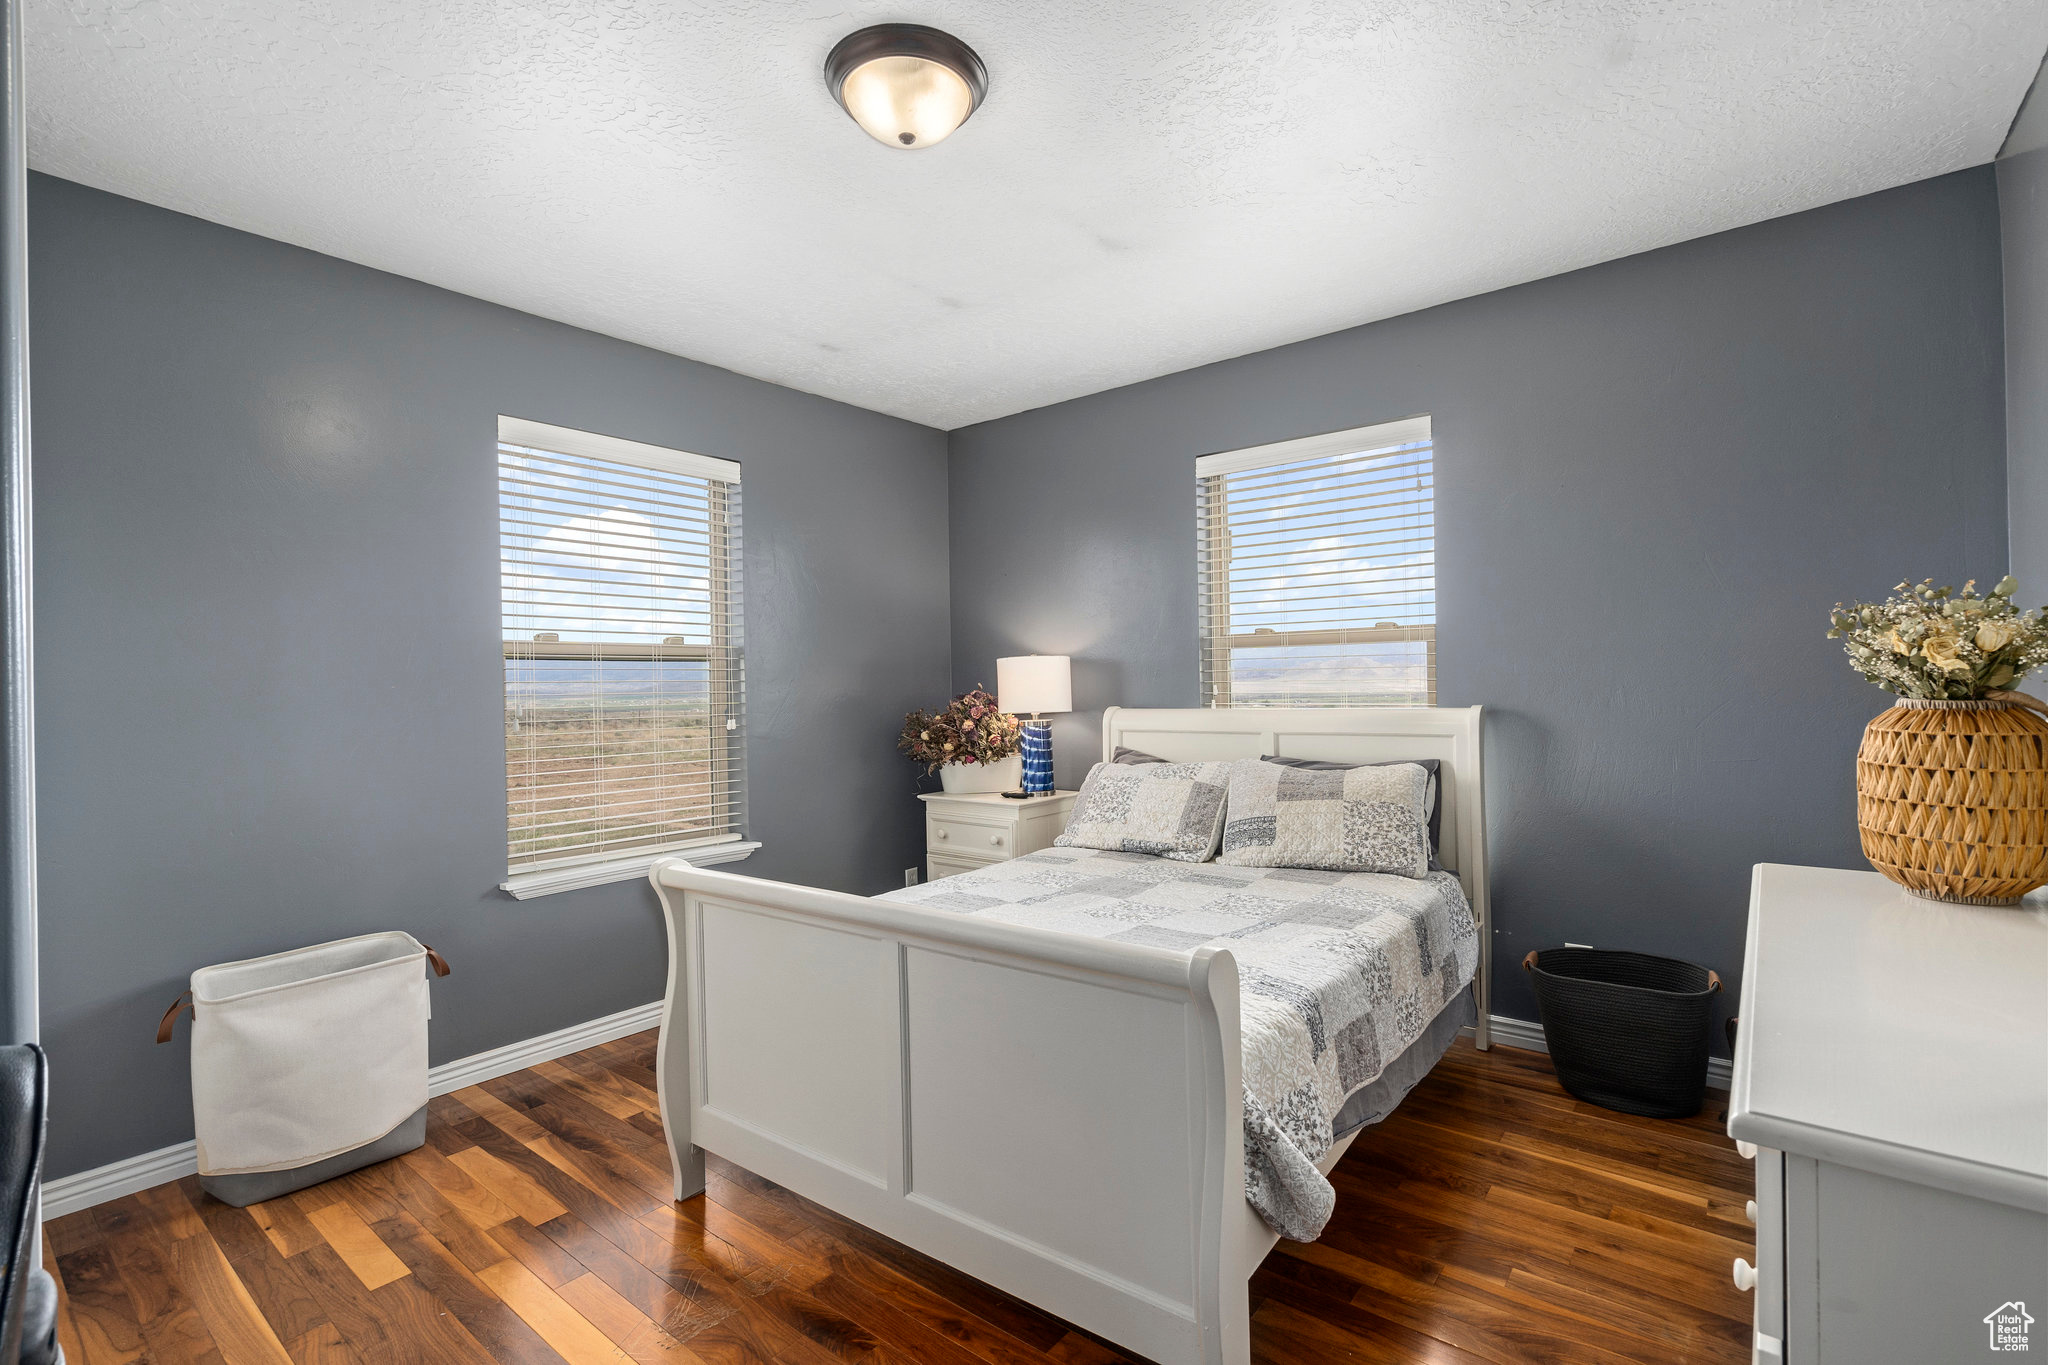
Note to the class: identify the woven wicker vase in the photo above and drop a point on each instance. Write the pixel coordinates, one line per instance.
(1952, 799)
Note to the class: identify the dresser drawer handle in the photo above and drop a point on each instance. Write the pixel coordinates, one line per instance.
(1746, 1150)
(941, 834)
(1749, 1210)
(996, 839)
(1745, 1275)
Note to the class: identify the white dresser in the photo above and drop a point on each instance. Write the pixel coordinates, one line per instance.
(1891, 1079)
(963, 831)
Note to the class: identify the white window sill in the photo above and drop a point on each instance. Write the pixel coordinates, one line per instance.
(546, 881)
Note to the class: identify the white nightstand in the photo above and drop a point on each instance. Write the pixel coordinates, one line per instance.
(963, 832)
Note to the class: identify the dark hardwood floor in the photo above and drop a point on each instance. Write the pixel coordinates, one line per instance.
(1492, 1218)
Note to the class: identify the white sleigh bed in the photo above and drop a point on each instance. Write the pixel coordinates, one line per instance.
(1059, 1116)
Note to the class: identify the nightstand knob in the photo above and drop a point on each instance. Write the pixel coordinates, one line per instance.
(996, 839)
(939, 834)
(1749, 1210)
(1746, 1150)
(1745, 1275)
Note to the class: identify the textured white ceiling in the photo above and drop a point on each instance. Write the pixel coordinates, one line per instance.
(1152, 184)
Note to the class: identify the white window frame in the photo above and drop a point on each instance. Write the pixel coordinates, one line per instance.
(574, 872)
(1217, 646)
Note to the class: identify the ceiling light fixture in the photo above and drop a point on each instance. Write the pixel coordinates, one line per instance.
(907, 85)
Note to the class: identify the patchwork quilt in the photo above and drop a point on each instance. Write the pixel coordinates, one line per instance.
(1338, 973)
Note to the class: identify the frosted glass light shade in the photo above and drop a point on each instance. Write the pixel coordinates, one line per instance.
(907, 101)
(1032, 683)
(906, 85)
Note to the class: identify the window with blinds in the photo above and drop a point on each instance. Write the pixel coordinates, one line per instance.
(624, 673)
(1318, 571)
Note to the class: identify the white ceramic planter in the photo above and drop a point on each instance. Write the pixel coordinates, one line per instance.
(1008, 775)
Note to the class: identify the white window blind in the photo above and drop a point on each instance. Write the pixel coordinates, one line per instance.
(624, 672)
(1318, 571)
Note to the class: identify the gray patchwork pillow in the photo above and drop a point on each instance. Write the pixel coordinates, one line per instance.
(1171, 810)
(1430, 802)
(1365, 819)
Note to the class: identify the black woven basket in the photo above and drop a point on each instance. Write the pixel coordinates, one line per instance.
(1627, 1031)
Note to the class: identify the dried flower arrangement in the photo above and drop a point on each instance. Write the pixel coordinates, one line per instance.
(1952, 779)
(1940, 645)
(972, 729)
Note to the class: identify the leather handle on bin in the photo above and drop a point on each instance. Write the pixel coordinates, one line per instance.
(1529, 962)
(440, 964)
(1713, 980)
(170, 1019)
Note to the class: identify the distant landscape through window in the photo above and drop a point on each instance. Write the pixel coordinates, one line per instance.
(1318, 571)
(623, 669)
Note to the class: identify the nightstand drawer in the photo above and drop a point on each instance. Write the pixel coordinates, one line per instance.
(937, 865)
(949, 833)
(966, 830)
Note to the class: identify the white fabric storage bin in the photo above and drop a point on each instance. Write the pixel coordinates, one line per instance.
(306, 1055)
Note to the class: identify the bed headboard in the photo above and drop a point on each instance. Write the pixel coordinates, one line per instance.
(1366, 734)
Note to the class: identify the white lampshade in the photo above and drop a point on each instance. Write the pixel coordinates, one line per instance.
(1035, 683)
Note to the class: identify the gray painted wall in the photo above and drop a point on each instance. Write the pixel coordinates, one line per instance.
(1653, 478)
(2023, 215)
(267, 636)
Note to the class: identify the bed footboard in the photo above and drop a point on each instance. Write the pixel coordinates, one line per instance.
(1058, 1116)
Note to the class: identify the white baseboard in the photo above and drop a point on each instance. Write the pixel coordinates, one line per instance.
(503, 1061)
(87, 1188)
(69, 1194)
(1527, 1034)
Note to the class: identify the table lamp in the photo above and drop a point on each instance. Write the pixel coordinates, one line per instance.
(1035, 683)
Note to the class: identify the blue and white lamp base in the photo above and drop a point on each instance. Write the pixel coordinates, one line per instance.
(1035, 745)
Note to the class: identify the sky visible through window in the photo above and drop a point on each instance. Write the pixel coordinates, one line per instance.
(600, 551)
(621, 675)
(1321, 546)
